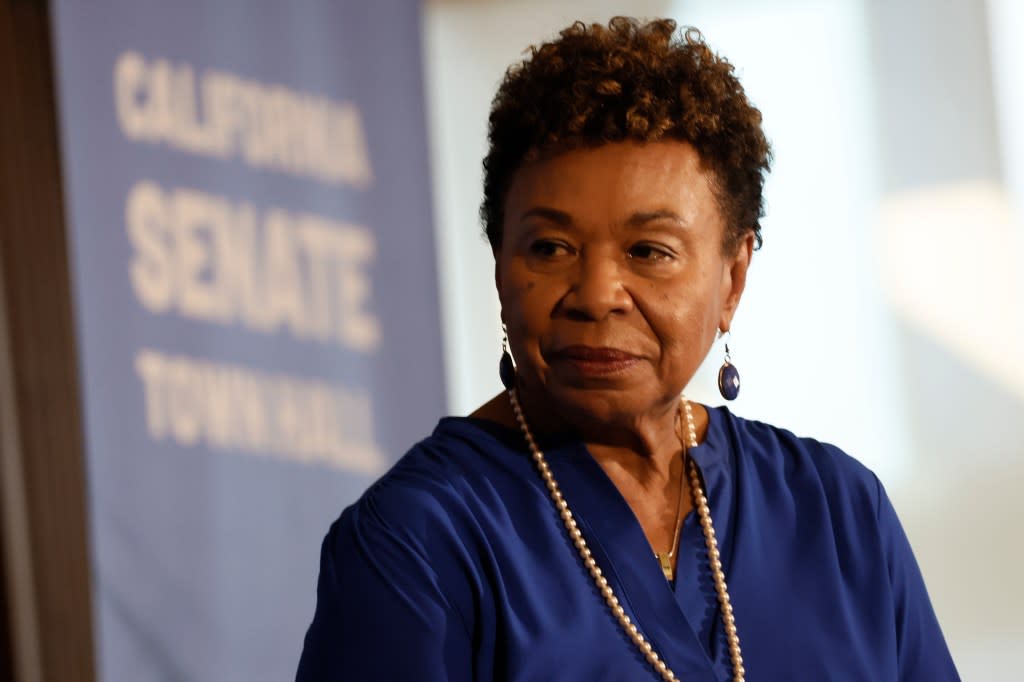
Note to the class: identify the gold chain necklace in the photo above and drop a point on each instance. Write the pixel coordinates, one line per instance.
(700, 501)
(665, 558)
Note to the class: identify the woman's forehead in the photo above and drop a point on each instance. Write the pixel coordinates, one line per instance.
(628, 182)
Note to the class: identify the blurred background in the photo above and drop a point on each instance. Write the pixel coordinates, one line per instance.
(885, 312)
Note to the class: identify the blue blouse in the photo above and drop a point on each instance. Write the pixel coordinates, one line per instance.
(455, 566)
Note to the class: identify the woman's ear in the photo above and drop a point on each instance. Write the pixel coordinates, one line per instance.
(734, 279)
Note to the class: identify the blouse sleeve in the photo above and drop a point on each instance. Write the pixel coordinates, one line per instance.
(921, 649)
(380, 612)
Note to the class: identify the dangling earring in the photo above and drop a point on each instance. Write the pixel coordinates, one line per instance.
(506, 367)
(728, 375)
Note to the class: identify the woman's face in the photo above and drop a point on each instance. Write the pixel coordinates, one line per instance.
(612, 278)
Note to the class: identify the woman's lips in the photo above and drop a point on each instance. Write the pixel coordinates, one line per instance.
(591, 361)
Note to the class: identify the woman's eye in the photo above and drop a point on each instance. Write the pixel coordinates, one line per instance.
(549, 249)
(649, 252)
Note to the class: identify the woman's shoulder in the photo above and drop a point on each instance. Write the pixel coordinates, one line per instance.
(795, 460)
(459, 448)
(442, 476)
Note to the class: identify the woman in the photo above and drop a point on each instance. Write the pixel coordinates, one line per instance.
(588, 524)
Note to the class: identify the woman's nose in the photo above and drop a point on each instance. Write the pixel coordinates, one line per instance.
(597, 289)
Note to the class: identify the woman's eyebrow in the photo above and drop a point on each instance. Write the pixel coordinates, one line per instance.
(552, 214)
(641, 218)
(635, 220)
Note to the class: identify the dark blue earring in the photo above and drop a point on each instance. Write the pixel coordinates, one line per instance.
(728, 376)
(506, 367)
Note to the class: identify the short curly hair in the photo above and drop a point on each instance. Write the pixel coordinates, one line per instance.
(628, 81)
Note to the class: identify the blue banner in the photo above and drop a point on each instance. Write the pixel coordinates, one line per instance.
(249, 214)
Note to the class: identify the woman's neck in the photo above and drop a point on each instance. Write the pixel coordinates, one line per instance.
(641, 446)
(645, 466)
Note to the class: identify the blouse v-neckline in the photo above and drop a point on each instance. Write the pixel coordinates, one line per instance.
(677, 618)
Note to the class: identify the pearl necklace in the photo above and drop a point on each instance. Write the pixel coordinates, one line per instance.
(700, 501)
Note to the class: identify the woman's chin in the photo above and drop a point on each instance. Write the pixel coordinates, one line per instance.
(603, 401)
